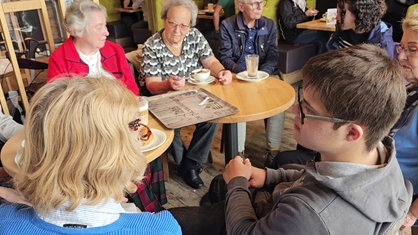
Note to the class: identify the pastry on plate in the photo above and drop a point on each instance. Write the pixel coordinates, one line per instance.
(145, 135)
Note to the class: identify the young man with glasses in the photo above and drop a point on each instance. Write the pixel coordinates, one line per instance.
(245, 33)
(351, 99)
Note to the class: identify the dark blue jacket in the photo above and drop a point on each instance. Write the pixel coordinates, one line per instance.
(233, 36)
(380, 36)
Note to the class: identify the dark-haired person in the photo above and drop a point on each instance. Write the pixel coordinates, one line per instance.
(356, 188)
(360, 21)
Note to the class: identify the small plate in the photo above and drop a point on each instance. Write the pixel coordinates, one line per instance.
(159, 139)
(260, 76)
(207, 81)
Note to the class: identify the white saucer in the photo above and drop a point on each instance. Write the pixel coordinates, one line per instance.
(261, 75)
(207, 81)
(159, 139)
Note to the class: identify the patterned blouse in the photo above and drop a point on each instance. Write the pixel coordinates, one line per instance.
(160, 62)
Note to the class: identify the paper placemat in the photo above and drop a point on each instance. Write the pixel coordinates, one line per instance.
(184, 108)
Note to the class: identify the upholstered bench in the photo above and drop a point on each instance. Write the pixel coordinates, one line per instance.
(119, 33)
(292, 58)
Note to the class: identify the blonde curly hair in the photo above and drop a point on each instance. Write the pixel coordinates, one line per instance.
(78, 144)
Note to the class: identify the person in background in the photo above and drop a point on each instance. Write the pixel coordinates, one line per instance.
(137, 24)
(358, 178)
(248, 32)
(360, 21)
(405, 131)
(130, 18)
(169, 56)
(292, 12)
(222, 9)
(8, 127)
(76, 178)
(87, 52)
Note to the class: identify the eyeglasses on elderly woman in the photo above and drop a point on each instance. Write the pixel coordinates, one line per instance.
(183, 27)
(410, 49)
(317, 117)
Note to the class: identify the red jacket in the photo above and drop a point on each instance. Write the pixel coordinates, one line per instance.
(65, 62)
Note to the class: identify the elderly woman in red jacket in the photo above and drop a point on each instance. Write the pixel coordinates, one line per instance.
(86, 51)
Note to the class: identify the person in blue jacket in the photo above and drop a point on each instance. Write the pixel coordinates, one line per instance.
(248, 32)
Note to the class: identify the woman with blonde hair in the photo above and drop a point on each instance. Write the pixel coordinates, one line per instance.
(80, 157)
(405, 132)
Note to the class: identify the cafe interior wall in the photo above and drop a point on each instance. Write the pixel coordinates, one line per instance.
(110, 6)
(269, 10)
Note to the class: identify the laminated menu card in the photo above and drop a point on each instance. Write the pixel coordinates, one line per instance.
(183, 108)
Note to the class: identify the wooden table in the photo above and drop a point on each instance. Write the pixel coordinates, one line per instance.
(205, 16)
(318, 24)
(8, 153)
(255, 101)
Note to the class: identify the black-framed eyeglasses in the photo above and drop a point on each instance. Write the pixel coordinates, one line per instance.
(135, 124)
(183, 27)
(317, 117)
(410, 49)
(255, 5)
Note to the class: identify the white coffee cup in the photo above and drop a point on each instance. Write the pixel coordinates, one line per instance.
(210, 7)
(252, 65)
(200, 75)
(143, 110)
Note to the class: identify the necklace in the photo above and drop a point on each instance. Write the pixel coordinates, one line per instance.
(174, 45)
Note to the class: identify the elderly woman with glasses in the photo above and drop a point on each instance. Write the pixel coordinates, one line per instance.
(405, 132)
(360, 21)
(169, 57)
(87, 52)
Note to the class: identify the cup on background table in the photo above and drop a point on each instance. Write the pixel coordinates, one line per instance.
(210, 7)
(252, 65)
(330, 16)
(143, 110)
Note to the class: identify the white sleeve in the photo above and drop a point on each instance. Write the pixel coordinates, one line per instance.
(137, 4)
(8, 127)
